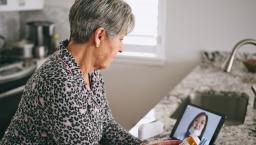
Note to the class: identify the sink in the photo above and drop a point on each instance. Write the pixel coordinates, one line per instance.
(231, 104)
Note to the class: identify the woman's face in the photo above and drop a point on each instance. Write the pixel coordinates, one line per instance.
(199, 123)
(108, 50)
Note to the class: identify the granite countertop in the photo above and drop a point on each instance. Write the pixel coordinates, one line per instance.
(209, 75)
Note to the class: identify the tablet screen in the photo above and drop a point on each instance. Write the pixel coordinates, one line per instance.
(200, 122)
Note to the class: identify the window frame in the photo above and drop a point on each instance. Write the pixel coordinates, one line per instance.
(157, 57)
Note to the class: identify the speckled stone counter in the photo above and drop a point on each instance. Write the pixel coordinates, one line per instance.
(209, 75)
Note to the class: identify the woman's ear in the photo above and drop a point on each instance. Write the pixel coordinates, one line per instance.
(99, 36)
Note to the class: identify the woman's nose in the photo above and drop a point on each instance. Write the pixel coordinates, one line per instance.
(197, 126)
(120, 50)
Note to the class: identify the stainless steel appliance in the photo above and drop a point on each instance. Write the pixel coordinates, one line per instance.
(14, 74)
(22, 50)
(16, 67)
(41, 33)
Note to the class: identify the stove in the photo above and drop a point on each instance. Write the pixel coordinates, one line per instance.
(7, 60)
(14, 74)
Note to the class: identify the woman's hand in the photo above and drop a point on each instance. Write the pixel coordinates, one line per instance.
(167, 142)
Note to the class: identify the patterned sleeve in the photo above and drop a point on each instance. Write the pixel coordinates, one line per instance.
(115, 134)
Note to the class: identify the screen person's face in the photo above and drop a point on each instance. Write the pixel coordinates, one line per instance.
(199, 123)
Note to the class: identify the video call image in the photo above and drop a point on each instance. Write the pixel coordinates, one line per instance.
(197, 122)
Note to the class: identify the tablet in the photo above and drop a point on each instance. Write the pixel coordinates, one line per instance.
(198, 121)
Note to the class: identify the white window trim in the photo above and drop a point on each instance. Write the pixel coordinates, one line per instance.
(155, 58)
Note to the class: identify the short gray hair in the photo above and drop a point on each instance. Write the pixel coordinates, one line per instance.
(85, 16)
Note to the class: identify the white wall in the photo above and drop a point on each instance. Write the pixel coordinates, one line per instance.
(192, 26)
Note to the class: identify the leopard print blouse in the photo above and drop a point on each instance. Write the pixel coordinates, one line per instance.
(57, 108)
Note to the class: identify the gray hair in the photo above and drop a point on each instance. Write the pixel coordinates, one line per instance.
(85, 16)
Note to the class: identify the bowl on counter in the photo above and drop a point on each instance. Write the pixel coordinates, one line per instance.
(250, 64)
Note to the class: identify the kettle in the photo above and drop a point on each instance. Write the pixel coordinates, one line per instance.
(41, 33)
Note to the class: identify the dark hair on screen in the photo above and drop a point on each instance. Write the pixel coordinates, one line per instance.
(191, 123)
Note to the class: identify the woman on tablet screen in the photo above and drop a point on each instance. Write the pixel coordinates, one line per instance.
(197, 127)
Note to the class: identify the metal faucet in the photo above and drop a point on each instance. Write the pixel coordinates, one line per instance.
(229, 63)
(254, 91)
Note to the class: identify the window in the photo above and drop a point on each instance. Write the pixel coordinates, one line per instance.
(145, 44)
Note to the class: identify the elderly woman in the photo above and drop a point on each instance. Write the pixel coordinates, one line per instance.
(64, 101)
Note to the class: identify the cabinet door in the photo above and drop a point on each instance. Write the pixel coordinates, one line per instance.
(19, 5)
